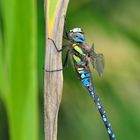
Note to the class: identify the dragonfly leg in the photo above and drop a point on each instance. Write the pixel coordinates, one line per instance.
(65, 64)
(65, 36)
(58, 50)
(66, 29)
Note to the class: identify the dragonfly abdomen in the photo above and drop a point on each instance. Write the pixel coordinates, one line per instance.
(85, 77)
(84, 74)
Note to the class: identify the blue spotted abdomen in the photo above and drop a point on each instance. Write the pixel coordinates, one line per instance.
(84, 76)
(86, 79)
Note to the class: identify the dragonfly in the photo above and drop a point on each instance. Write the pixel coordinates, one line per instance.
(82, 55)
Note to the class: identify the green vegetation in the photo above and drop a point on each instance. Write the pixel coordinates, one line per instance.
(114, 28)
(18, 68)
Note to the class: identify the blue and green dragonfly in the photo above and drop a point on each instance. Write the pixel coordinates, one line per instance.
(81, 53)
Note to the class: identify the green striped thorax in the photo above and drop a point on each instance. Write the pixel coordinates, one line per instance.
(76, 35)
(80, 51)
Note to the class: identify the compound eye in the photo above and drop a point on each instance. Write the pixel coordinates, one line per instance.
(75, 36)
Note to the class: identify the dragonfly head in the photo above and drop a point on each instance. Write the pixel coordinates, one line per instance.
(76, 35)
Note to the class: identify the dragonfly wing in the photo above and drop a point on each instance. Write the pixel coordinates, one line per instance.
(98, 63)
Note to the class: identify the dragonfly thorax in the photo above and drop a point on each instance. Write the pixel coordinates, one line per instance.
(78, 49)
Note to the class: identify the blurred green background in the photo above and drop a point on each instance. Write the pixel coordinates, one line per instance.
(114, 28)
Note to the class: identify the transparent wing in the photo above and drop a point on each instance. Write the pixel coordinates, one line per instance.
(97, 60)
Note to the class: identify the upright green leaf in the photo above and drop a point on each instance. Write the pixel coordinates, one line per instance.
(19, 68)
